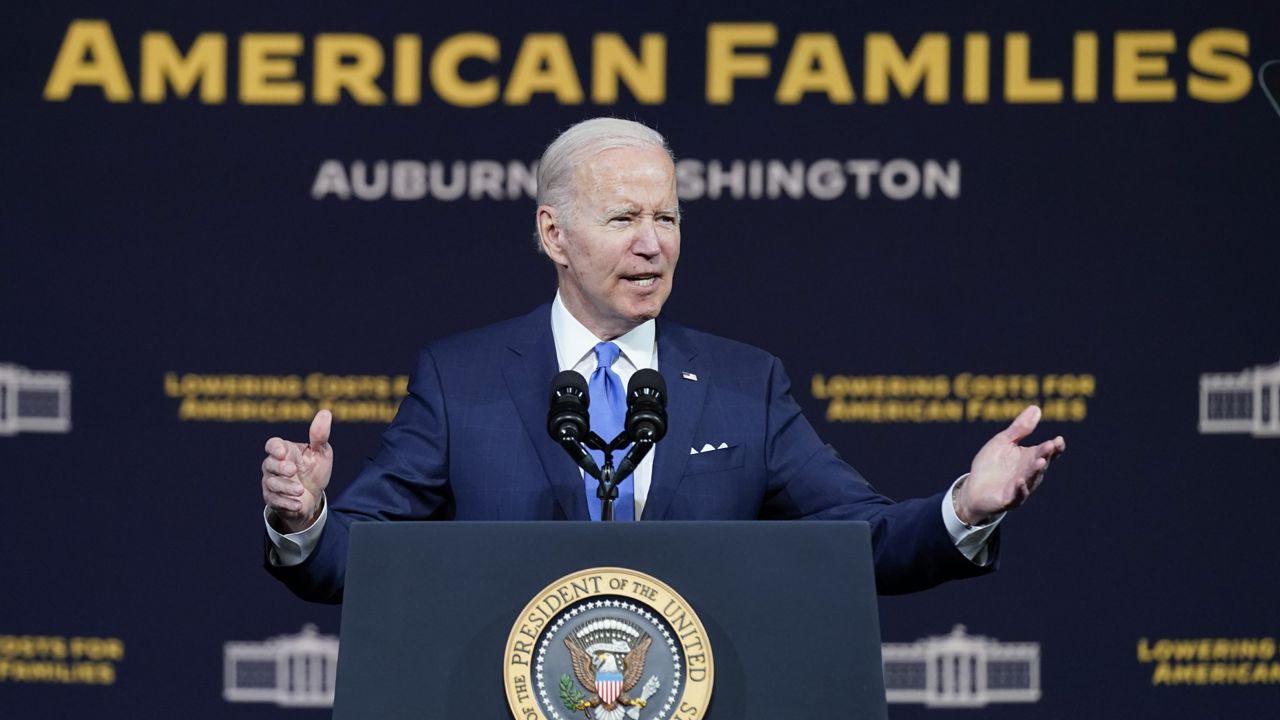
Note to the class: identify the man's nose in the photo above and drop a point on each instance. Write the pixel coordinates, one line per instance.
(646, 241)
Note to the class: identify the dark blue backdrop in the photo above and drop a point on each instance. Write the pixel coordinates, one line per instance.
(1131, 244)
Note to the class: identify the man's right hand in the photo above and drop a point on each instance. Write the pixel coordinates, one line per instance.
(294, 475)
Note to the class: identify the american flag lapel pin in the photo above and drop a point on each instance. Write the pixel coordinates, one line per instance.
(688, 375)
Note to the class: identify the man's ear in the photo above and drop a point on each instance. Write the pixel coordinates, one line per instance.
(551, 234)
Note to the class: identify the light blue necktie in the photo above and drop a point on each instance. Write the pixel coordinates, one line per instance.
(608, 410)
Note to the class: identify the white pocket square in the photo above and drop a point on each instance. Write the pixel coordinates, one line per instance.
(708, 448)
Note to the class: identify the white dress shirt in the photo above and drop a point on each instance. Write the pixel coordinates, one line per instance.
(575, 350)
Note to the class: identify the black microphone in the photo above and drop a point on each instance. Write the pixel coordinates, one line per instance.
(646, 420)
(568, 422)
(568, 418)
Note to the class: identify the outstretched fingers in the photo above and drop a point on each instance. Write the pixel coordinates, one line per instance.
(1023, 425)
(1049, 449)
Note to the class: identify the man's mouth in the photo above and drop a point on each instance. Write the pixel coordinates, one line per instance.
(642, 280)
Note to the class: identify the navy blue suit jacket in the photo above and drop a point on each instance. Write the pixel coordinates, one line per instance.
(470, 443)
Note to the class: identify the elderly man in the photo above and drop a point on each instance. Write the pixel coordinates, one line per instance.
(469, 441)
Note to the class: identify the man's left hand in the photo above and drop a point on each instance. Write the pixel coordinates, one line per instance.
(1004, 473)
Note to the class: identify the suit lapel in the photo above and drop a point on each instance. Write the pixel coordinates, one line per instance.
(528, 371)
(676, 356)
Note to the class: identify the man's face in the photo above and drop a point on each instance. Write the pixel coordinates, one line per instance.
(616, 258)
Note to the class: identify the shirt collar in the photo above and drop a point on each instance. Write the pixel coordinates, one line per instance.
(574, 341)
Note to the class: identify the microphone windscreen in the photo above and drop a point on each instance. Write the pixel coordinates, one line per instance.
(570, 380)
(647, 378)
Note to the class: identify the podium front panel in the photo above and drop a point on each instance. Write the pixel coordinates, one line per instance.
(789, 611)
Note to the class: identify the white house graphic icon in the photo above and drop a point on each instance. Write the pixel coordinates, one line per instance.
(961, 671)
(1243, 402)
(288, 670)
(34, 401)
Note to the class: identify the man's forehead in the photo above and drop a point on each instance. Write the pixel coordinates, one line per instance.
(618, 171)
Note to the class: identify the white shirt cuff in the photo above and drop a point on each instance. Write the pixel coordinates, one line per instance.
(970, 540)
(294, 548)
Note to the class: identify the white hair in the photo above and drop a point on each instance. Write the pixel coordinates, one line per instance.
(574, 147)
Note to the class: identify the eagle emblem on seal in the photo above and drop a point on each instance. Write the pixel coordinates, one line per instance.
(608, 657)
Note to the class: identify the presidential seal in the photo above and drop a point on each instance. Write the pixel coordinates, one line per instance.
(608, 644)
